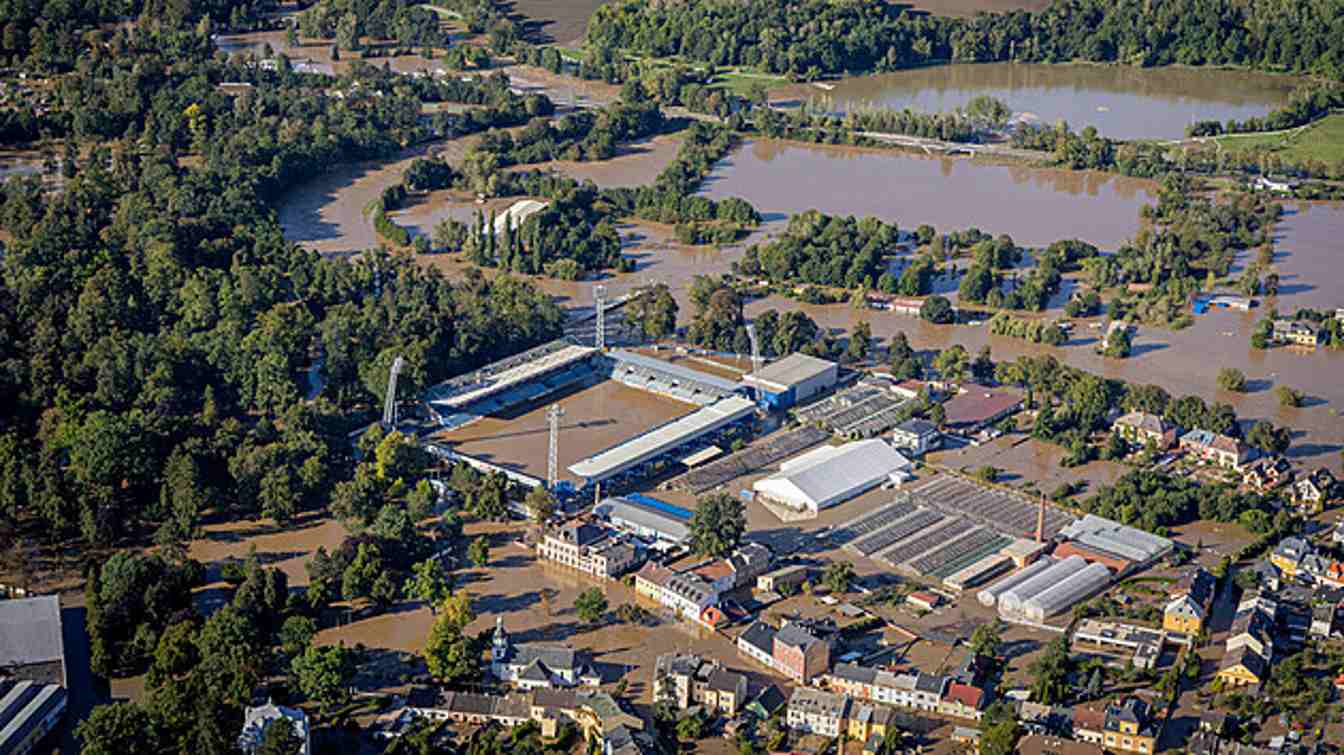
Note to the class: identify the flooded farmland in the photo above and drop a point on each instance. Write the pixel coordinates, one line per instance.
(1309, 255)
(1122, 102)
(1034, 205)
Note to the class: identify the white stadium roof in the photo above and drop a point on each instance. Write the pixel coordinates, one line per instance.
(662, 439)
(831, 474)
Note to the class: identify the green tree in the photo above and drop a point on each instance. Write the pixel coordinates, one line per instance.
(296, 634)
(717, 524)
(1050, 673)
(1231, 379)
(116, 729)
(449, 655)
(838, 575)
(1289, 397)
(323, 674)
(479, 551)
(540, 503)
(999, 730)
(951, 363)
(280, 737)
(428, 583)
(937, 309)
(987, 639)
(591, 605)
(691, 728)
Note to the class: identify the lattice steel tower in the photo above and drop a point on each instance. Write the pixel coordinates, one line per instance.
(553, 416)
(600, 302)
(390, 403)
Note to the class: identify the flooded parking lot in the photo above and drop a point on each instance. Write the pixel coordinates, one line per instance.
(1122, 102)
(1034, 205)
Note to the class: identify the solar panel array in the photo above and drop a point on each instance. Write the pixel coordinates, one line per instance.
(1005, 512)
(872, 521)
(894, 533)
(748, 460)
(928, 540)
(959, 554)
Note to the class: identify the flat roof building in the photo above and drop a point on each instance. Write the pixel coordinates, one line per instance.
(642, 519)
(977, 406)
(830, 475)
(793, 379)
(1111, 537)
(31, 643)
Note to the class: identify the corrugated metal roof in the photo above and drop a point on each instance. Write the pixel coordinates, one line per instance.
(791, 370)
(830, 471)
(662, 439)
(30, 631)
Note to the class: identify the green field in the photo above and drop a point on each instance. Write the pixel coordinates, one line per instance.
(1321, 141)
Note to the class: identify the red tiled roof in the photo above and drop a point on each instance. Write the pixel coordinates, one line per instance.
(965, 694)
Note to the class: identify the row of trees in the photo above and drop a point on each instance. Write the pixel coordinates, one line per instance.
(859, 38)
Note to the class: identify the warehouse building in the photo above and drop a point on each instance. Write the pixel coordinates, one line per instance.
(830, 475)
(1118, 546)
(645, 517)
(791, 380)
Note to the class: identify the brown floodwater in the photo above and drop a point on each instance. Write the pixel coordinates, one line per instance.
(1309, 255)
(1034, 205)
(561, 21)
(1122, 102)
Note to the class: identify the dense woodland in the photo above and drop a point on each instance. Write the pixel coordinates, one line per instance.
(809, 38)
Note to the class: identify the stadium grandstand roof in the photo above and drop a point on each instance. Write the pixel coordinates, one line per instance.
(671, 370)
(662, 439)
(504, 374)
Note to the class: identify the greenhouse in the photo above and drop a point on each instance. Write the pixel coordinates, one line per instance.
(990, 595)
(1063, 595)
(1012, 602)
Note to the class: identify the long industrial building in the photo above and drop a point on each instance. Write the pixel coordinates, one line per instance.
(1061, 597)
(990, 595)
(1011, 601)
(630, 455)
(1118, 546)
(830, 475)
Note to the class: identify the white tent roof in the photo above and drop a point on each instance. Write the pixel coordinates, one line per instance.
(825, 474)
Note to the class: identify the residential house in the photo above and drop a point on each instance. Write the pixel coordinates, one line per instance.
(1288, 555)
(1190, 603)
(717, 574)
(749, 562)
(915, 437)
(1266, 574)
(757, 642)
(789, 577)
(851, 679)
(1242, 667)
(1295, 332)
(867, 721)
(1308, 495)
(472, 708)
(531, 666)
(925, 601)
(1089, 724)
(1221, 450)
(962, 701)
(1142, 428)
(766, 702)
(817, 712)
(588, 548)
(686, 680)
(895, 689)
(1337, 537)
(1323, 617)
(1266, 473)
(257, 719)
(688, 594)
(799, 653)
(928, 693)
(1128, 726)
(1253, 629)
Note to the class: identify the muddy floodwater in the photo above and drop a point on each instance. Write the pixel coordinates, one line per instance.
(1309, 257)
(1035, 206)
(1122, 102)
(561, 21)
(595, 419)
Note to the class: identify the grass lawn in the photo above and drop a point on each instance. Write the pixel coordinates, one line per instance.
(1321, 141)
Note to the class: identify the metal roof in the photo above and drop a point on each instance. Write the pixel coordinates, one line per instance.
(824, 474)
(621, 510)
(24, 705)
(790, 371)
(662, 439)
(30, 631)
(672, 370)
(1113, 537)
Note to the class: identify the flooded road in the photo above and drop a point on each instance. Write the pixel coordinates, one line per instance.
(1122, 102)
(1034, 205)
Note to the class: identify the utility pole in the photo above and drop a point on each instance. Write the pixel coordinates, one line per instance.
(390, 402)
(600, 302)
(553, 416)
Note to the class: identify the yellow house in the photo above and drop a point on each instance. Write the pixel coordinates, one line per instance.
(1129, 727)
(1242, 668)
(1288, 555)
(868, 720)
(1190, 602)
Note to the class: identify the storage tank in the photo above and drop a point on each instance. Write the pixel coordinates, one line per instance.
(1062, 596)
(1012, 601)
(990, 595)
